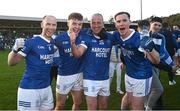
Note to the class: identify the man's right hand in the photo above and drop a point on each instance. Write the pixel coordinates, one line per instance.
(73, 36)
(18, 45)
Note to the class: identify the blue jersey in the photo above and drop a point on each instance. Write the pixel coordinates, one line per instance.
(159, 41)
(137, 66)
(38, 53)
(56, 58)
(97, 56)
(68, 65)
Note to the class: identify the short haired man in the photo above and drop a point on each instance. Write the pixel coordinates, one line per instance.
(95, 48)
(69, 77)
(138, 66)
(166, 62)
(34, 92)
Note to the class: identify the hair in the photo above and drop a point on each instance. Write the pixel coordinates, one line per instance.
(120, 13)
(75, 15)
(46, 17)
(97, 14)
(143, 24)
(165, 25)
(156, 19)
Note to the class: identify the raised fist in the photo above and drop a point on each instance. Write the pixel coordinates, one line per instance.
(19, 43)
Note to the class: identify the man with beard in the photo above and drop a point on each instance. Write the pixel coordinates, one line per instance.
(95, 47)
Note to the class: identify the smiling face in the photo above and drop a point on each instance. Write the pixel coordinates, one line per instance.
(97, 24)
(75, 25)
(122, 23)
(155, 26)
(48, 25)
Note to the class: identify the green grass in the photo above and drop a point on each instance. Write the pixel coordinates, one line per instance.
(10, 77)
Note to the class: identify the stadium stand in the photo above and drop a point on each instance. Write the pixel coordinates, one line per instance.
(12, 27)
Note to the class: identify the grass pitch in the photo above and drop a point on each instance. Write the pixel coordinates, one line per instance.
(10, 77)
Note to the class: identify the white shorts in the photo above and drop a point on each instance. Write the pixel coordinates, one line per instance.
(65, 84)
(35, 99)
(95, 88)
(139, 87)
(177, 53)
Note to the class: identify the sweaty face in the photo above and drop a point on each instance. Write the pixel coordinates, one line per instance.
(75, 25)
(96, 24)
(122, 24)
(155, 26)
(48, 25)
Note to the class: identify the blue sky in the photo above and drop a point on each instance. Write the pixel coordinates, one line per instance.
(62, 8)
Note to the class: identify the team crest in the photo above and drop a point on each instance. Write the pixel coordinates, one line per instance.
(101, 42)
(49, 47)
(65, 42)
(94, 41)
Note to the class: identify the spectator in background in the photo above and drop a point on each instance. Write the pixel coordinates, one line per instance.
(166, 31)
(166, 63)
(116, 65)
(176, 36)
(2, 42)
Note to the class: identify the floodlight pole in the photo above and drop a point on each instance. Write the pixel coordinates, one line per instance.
(141, 8)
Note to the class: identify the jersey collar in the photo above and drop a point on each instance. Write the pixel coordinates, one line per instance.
(47, 40)
(132, 32)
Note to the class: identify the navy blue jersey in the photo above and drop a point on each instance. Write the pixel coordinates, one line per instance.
(137, 66)
(176, 36)
(38, 53)
(159, 41)
(68, 65)
(97, 56)
(170, 47)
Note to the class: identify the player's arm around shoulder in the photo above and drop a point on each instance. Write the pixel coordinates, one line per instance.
(77, 50)
(153, 56)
